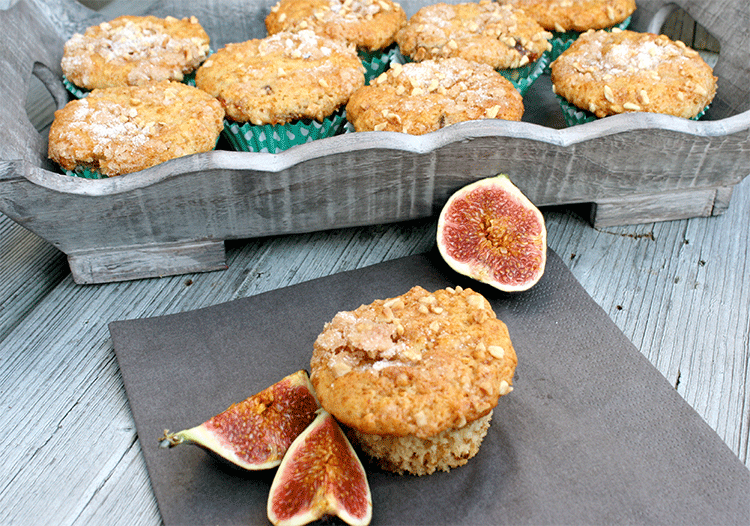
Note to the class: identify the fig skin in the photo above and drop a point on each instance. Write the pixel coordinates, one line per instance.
(491, 232)
(320, 476)
(256, 433)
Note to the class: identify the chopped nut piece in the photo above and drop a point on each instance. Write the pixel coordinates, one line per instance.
(496, 351)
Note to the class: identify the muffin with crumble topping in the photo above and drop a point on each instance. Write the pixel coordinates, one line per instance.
(415, 378)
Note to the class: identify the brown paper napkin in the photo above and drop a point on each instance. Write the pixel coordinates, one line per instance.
(592, 433)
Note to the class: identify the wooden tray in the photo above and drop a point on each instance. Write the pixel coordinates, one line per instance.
(174, 218)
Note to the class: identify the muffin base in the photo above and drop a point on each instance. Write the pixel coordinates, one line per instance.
(410, 454)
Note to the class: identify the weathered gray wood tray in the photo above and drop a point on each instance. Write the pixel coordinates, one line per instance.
(175, 217)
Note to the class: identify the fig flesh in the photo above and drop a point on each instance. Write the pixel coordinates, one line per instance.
(490, 231)
(256, 433)
(320, 476)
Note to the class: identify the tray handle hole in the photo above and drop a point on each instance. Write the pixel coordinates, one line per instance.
(677, 24)
(45, 95)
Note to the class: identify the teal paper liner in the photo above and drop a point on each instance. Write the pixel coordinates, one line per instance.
(273, 138)
(378, 61)
(575, 115)
(522, 78)
(562, 41)
(74, 90)
(85, 173)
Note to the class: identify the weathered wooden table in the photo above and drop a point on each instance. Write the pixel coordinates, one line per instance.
(679, 290)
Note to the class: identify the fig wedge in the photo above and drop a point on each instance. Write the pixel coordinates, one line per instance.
(256, 433)
(320, 476)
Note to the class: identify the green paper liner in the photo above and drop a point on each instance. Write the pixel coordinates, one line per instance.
(85, 173)
(273, 138)
(575, 115)
(562, 41)
(522, 78)
(378, 61)
(74, 90)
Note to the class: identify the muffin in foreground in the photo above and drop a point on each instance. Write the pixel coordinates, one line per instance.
(132, 50)
(607, 73)
(115, 131)
(421, 97)
(415, 378)
(282, 80)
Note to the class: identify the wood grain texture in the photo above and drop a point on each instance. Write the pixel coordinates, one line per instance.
(672, 287)
(359, 179)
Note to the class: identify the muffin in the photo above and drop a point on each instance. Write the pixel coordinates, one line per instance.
(581, 15)
(606, 73)
(421, 97)
(486, 32)
(133, 50)
(415, 378)
(285, 89)
(115, 131)
(567, 18)
(370, 25)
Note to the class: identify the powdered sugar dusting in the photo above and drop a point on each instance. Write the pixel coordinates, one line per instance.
(303, 44)
(155, 49)
(107, 122)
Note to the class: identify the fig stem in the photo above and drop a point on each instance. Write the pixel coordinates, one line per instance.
(170, 439)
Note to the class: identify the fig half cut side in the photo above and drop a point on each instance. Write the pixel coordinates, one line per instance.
(490, 231)
(320, 476)
(256, 433)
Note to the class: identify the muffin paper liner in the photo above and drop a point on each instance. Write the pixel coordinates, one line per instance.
(575, 115)
(273, 138)
(85, 173)
(378, 61)
(74, 90)
(522, 78)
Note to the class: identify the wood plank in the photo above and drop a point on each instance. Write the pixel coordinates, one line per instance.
(30, 269)
(637, 209)
(143, 261)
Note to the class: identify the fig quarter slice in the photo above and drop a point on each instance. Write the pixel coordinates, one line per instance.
(320, 476)
(490, 231)
(256, 433)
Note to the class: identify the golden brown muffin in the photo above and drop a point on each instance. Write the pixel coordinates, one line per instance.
(422, 97)
(575, 15)
(368, 24)
(119, 130)
(415, 371)
(487, 32)
(132, 50)
(282, 78)
(624, 71)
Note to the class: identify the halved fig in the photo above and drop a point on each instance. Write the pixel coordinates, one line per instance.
(491, 232)
(256, 433)
(320, 476)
